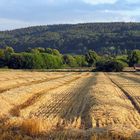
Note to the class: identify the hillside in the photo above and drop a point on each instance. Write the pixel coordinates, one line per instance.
(104, 38)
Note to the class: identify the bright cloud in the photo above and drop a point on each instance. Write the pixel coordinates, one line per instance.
(23, 13)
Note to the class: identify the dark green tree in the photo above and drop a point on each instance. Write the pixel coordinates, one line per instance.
(92, 57)
(81, 60)
(52, 61)
(48, 50)
(56, 52)
(2, 58)
(69, 60)
(134, 57)
(109, 66)
(16, 61)
(7, 52)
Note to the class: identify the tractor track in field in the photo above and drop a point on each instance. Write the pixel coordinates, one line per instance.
(16, 110)
(70, 104)
(136, 106)
(130, 78)
(29, 83)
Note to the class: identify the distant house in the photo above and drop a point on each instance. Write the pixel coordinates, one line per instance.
(137, 67)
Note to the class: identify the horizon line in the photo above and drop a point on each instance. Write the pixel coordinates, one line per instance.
(55, 24)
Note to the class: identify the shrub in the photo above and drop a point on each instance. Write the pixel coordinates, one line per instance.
(109, 66)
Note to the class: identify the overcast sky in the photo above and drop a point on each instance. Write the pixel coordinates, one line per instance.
(23, 13)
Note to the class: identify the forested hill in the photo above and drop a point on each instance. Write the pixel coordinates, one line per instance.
(104, 38)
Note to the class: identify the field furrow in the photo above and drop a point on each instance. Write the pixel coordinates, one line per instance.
(26, 81)
(23, 94)
(130, 86)
(73, 106)
(112, 108)
(63, 103)
(130, 76)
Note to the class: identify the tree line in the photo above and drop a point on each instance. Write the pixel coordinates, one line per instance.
(41, 58)
(104, 38)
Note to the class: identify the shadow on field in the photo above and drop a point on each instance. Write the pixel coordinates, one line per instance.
(18, 133)
(79, 106)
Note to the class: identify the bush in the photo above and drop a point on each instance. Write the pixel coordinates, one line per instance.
(109, 66)
(80, 60)
(134, 57)
(92, 58)
(34, 61)
(122, 59)
(52, 61)
(16, 61)
(124, 64)
(69, 60)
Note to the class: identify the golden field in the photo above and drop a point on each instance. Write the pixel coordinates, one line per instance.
(69, 106)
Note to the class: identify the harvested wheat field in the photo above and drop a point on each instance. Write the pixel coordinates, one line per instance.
(69, 106)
